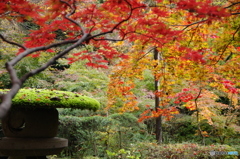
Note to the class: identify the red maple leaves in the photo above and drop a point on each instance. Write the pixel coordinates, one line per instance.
(203, 9)
(96, 26)
(186, 95)
(229, 86)
(19, 9)
(192, 55)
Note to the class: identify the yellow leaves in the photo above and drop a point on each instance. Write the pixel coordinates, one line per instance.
(190, 105)
(206, 113)
(173, 70)
(209, 94)
(121, 90)
(205, 133)
(233, 99)
(119, 43)
(98, 25)
(129, 106)
(211, 111)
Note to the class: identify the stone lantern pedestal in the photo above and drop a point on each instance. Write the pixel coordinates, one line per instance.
(30, 134)
(27, 148)
(31, 126)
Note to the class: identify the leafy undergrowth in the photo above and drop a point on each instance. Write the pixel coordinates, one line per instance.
(180, 151)
(146, 150)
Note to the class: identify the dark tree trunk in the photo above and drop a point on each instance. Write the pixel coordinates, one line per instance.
(159, 136)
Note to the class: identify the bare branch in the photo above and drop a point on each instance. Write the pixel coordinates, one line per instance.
(6, 99)
(196, 105)
(40, 48)
(233, 4)
(11, 42)
(123, 37)
(188, 25)
(226, 46)
(235, 13)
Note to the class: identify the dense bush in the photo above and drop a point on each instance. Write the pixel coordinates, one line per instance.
(82, 134)
(95, 135)
(183, 128)
(179, 129)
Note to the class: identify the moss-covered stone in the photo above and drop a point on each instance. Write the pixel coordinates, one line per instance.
(43, 98)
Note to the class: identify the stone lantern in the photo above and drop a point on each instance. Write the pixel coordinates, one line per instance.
(30, 127)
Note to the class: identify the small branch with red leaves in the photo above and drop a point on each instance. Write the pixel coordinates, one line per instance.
(17, 83)
(73, 10)
(6, 100)
(53, 59)
(121, 22)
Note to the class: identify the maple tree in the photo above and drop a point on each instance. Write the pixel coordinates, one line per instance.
(178, 29)
(204, 55)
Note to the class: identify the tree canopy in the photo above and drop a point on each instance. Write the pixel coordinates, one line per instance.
(197, 42)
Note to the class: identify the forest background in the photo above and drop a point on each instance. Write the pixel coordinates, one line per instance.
(166, 74)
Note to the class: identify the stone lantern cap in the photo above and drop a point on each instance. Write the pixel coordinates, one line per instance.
(30, 98)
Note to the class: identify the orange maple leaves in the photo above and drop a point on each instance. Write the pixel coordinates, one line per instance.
(168, 113)
(178, 29)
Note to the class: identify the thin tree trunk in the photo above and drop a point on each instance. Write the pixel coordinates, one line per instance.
(159, 136)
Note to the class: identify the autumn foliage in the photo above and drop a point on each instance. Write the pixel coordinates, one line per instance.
(198, 44)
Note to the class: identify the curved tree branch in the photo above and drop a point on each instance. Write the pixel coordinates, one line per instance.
(85, 37)
(233, 4)
(6, 99)
(121, 22)
(17, 83)
(12, 43)
(73, 9)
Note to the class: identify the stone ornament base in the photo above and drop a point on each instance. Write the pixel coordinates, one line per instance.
(20, 148)
(31, 123)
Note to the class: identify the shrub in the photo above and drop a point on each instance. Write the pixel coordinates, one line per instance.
(176, 151)
(95, 134)
(84, 134)
(179, 129)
